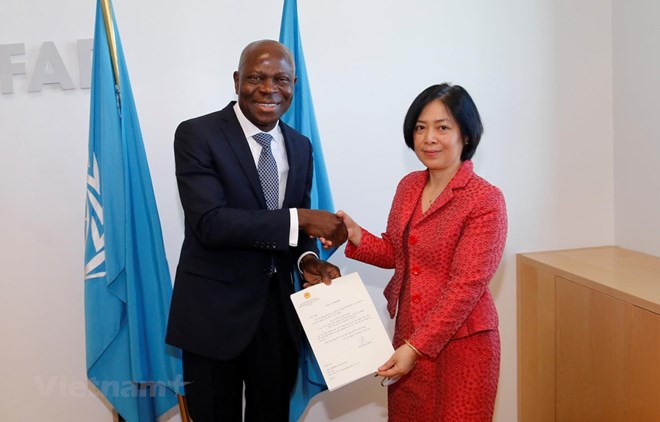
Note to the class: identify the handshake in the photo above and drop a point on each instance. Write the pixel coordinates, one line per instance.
(331, 229)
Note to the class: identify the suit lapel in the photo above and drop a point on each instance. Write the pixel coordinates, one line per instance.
(293, 155)
(236, 140)
(459, 181)
(442, 200)
(412, 198)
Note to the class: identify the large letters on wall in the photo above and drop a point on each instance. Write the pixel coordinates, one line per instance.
(49, 68)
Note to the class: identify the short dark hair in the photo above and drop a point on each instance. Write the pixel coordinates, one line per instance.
(460, 105)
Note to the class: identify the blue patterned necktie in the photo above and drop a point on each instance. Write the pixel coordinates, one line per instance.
(270, 181)
(267, 168)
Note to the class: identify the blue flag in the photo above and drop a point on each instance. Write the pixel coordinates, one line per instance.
(127, 280)
(301, 117)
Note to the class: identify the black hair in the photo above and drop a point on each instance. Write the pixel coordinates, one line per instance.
(460, 105)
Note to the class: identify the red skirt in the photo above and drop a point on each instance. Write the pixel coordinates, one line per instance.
(459, 385)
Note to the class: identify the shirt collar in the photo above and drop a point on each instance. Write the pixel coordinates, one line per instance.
(249, 129)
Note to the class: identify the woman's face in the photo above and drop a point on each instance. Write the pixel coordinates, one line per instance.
(437, 138)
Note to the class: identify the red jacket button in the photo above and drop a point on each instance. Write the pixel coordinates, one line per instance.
(412, 240)
(415, 270)
(416, 298)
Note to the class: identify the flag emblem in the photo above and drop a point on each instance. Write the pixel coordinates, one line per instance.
(95, 262)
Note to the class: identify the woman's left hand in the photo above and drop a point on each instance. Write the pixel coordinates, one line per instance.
(402, 361)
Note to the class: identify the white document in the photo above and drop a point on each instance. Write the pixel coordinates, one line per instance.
(344, 329)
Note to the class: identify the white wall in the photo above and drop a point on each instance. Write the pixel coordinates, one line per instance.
(636, 105)
(540, 72)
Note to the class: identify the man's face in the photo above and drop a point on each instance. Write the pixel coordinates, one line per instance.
(264, 83)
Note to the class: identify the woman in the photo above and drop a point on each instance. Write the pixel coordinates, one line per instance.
(445, 236)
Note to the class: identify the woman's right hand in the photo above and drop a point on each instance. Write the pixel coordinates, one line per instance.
(354, 230)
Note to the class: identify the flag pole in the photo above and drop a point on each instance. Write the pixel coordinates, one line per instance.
(183, 408)
(112, 45)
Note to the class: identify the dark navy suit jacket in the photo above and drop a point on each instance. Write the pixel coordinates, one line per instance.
(231, 238)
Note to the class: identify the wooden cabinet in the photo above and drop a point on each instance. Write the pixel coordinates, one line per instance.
(588, 336)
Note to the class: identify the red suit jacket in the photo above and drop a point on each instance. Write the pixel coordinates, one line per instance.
(445, 263)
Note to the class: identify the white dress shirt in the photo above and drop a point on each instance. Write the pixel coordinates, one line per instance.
(279, 152)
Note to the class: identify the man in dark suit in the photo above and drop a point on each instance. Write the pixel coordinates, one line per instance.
(244, 181)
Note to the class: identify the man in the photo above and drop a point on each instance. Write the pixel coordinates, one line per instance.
(245, 196)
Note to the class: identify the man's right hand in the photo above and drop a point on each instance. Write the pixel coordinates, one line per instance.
(317, 223)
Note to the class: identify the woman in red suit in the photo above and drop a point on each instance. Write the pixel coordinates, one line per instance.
(445, 236)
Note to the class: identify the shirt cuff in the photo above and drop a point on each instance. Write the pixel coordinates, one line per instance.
(293, 227)
(302, 256)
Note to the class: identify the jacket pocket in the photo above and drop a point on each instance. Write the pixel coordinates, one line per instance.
(222, 272)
